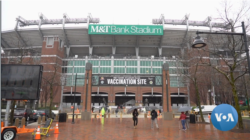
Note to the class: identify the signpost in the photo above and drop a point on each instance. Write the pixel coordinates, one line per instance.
(241, 102)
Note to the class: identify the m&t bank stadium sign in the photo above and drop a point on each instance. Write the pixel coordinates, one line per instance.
(126, 29)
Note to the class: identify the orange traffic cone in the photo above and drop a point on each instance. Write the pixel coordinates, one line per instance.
(56, 129)
(38, 136)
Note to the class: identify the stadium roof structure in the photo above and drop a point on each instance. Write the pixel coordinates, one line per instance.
(77, 40)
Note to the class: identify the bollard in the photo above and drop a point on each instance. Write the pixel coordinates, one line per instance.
(43, 119)
(120, 115)
(173, 116)
(16, 122)
(39, 120)
(57, 117)
(145, 115)
(109, 115)
(23, 121)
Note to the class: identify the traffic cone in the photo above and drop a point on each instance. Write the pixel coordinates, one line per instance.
(38, 136)
(56, 129)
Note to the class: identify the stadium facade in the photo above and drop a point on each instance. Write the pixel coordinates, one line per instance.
(126, 59)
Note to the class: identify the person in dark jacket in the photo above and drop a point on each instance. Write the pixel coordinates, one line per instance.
(116, 111)
(154, 119)
(135, 117)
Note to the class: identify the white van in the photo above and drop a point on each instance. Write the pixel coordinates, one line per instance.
(205, 108)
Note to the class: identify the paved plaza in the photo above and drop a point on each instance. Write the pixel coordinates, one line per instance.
(122, 129)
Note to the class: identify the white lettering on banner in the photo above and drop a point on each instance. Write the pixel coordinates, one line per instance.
(101, 29)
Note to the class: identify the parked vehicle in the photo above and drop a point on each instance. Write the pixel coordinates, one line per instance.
(42, 112)
(205, 109)
(23, 112)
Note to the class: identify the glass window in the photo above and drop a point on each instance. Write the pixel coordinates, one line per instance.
(119, 70)
(145, 63)
(157, 70)
(95, 70)
(119, 63)
(94, 62)
(157, 63)
(105, 70)
(145, 70)
(50, 41)
(131, 70)
(171, 63)
(172, 71)
(105, 62)
(131, 63)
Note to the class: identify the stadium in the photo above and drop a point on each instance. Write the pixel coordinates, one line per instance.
(127, 60)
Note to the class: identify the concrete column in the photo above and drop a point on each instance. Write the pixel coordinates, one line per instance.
(167, 109)
(86, 106)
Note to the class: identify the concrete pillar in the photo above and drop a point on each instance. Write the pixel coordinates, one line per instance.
(86, 106)
(167, 109)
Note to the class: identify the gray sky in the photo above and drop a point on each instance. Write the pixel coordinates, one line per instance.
(109, 11)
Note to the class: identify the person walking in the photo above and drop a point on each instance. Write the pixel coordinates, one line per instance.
(187, 118)
(154, 119)
(135, 117)
(183, 120)
(116, 111)
(103, 112)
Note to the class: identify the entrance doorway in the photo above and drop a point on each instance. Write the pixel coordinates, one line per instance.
(99, 99)
(125, 100)
(153, 100)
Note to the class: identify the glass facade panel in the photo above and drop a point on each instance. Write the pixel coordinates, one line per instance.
(79, 82)
(131, 70)
(105, 62)
(172, 71)
(145, 63)
(119, 63)
(145, 70)
(79, 69)
(105, 70)
(95, 70)
(157, 70)
(171, 63)
(94, 62)
(157, 63)
(131, 63)
(119, 70)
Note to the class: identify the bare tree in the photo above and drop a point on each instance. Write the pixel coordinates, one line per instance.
(51, 81)
(231, 59)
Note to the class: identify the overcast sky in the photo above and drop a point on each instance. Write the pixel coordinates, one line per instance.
(109, 11)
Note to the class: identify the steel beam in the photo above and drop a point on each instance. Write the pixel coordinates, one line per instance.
(41, 16)
(17, 33)
(64, 31)
(113, 47)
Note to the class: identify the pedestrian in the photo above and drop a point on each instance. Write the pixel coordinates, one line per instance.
(116, 111)
(187, 118)
(135, 117)
(154, 119)
(159, 112)
(103, 112)
(183, 120)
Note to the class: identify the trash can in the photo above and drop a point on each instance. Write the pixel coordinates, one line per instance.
(62, 117)
(192, 118)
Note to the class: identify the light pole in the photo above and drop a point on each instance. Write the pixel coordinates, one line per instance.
(210, 101)
(199, 42)
(61, 103)
(72, 89)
